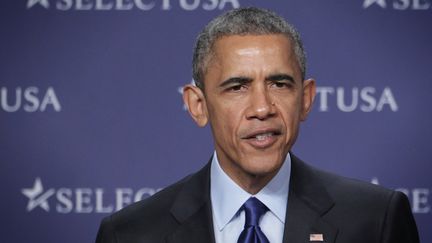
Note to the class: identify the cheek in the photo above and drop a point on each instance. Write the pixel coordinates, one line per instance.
(225, 122)
(290, 113)
(230, 120)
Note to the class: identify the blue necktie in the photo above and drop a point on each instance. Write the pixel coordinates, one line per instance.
(252, 233)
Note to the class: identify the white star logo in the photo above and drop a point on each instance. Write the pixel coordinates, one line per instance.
(31, 3)
(381, 3)
(36, 197)
(180, 90)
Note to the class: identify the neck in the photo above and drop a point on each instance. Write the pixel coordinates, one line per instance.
(253, 183)
(250, 182)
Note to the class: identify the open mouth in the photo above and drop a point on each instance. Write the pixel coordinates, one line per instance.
(262, 139)
(264, 136)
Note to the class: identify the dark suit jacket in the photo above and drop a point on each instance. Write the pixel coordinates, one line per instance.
(342, 210)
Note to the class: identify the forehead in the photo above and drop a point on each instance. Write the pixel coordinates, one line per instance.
(243, 41)
(251, 51)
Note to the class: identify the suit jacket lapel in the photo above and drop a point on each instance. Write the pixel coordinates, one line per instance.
(308, 202)
(192, 209)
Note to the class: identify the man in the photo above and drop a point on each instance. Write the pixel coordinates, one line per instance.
(249, 68)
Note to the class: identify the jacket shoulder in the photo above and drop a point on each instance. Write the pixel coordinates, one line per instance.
(155, 205)
(148, 220)
(339, 186)
(365, 207)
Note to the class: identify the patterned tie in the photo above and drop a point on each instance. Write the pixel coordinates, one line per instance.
(252, 233)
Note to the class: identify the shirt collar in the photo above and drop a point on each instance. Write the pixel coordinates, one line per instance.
(227, 197)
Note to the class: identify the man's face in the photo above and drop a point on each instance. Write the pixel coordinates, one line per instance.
(254, 100)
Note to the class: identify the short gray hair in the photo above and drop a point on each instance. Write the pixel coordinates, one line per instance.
(242, 21)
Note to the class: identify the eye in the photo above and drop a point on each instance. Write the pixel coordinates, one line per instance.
(237, 87)
(281, 84)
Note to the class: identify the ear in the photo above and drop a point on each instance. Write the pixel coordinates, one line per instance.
(195, 101)
(309, 91)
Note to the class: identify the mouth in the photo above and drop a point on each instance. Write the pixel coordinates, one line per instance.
(262, 139)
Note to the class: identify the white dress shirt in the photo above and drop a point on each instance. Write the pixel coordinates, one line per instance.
(227, 197)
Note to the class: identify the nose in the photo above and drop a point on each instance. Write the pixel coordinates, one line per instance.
(261, 105)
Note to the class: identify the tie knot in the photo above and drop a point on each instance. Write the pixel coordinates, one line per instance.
(254, 209)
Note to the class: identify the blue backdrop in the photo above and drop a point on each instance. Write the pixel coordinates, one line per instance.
(91, 116)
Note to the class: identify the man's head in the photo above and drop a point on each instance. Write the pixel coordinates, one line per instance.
(244, 21)
(254, 96)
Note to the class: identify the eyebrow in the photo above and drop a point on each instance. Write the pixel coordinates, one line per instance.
(279, 77)
(245, 80)
(236, 80)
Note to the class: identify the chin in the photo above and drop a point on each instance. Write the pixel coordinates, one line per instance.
(262, 167)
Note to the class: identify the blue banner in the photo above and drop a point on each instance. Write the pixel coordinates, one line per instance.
(92, 119)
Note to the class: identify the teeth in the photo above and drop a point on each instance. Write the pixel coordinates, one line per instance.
(263, 136)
